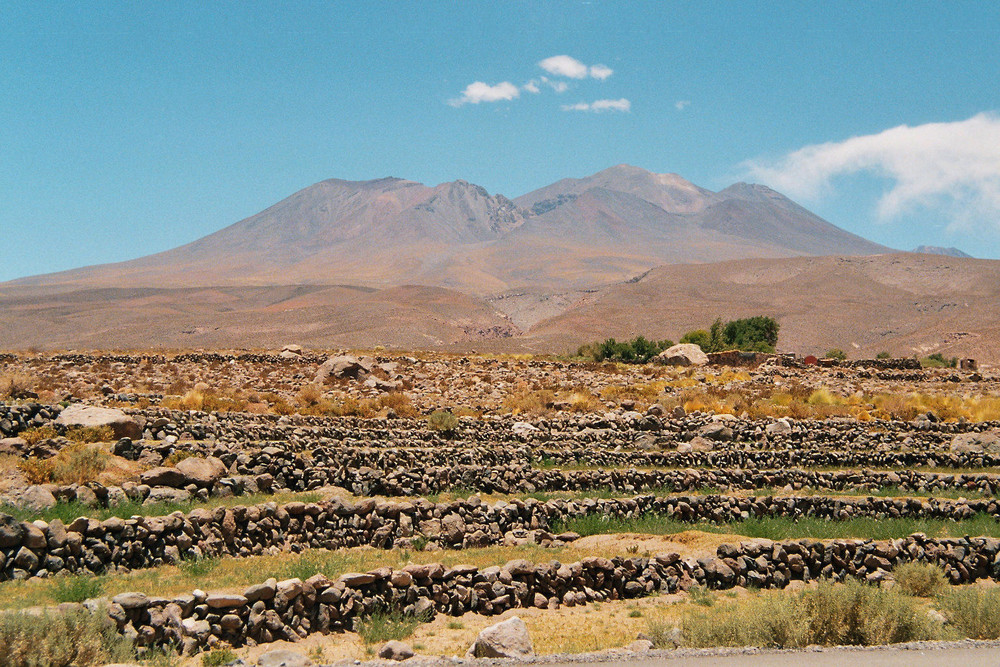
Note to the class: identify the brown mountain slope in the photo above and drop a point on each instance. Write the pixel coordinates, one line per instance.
(901, 303)
(573, 234)
(409, 317)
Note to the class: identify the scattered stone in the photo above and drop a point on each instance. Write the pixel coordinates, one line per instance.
(507, 639)
(395, 650)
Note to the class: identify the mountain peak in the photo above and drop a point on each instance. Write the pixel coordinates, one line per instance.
(938, 250)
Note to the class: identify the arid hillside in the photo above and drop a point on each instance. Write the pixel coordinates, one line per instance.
(900, 303)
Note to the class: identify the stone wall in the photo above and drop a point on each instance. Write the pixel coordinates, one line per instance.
(292, 609)
(121, 545)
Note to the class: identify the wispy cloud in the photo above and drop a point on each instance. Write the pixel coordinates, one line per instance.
(571, 68)
(950, 166)
(681, 105)
(559, 68)
(598, 106)
(478, 91)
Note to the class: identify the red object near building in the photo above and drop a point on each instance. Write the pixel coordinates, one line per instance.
(810, 360)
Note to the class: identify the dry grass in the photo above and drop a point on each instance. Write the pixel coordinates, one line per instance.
(17, 385)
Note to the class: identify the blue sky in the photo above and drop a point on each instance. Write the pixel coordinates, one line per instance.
(129, 128)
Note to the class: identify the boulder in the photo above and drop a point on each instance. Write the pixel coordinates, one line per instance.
(88, 415)
(36, 499)
(283, 658)
(202, 471)
(344, 366)
(682, 354)
(507, 639)
(524, 429)
(164, 477)
(976, 443)
(395, 650)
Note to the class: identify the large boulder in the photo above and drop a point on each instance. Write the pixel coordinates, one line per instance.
(682, 354)
(88, 415)
(36, 499)
(164, 476)
(283, 657)
(507, 639)
(202, 471)
(395, 650)
(976, 443)
(344, 366)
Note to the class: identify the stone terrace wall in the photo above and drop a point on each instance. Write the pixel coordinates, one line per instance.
(292, 609)
(120, 545)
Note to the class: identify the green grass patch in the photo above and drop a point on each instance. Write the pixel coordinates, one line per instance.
(383, 626)
(77, 588)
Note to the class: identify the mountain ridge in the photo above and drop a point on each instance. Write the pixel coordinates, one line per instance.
(572, 234)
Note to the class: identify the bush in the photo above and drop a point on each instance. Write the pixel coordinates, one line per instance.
(751, 334)
(836, 353)
(639, 350)
(442, 420)
(33, 436)
(17, 385)
(882, 355)
(218, 657)
(937, 360)
(383, 626)
(78, 463)
(76, 638)
(974, 612)
(89, 434)
(920, 579)
(831, 614)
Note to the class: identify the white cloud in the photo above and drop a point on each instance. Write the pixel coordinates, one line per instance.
(599, 106)
(478, 91)
(532, 87)
(558, 86)
(681, 105)
(955, 166)
(600, 71)
(565, 66)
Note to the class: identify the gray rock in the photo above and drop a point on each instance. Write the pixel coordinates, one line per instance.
(164, 477)
(395, 650)
(976, 443)
(90, 416)
(36, 499)
(507, 639)
(283, 658)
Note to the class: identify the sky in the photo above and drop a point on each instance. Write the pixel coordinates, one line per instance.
(127, 128)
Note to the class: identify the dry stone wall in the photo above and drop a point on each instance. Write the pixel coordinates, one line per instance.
(292, 609)
(120, 545)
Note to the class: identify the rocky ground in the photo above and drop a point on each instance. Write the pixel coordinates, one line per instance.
(117, 465)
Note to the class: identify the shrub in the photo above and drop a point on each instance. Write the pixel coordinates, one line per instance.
(89, 434)
(974, 612)
(442, 420)
(920, 579)
(218, 657)
(836, 353)
(309, 395)
(383, 626)
(33, 436)
(17, 385)
(177, 456)
(63, 639)
(77, 463)
(937, 360)
(639, 350)
(751, 334)
(882, 355)
(831, 614)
